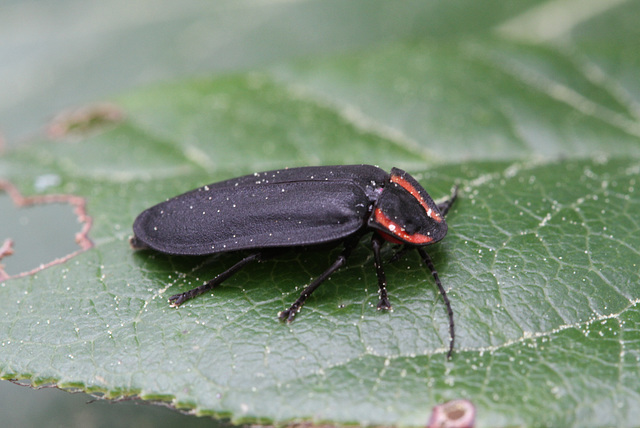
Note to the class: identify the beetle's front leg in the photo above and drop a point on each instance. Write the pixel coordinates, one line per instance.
(376, 244)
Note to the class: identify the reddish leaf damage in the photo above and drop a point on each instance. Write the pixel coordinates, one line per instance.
(79, 207)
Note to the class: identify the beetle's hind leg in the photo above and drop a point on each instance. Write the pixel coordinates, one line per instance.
(290, 313)
(178, 299)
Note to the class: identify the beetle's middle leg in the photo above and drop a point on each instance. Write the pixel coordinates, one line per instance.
(290, 313)
(376, 244)
(178, 299)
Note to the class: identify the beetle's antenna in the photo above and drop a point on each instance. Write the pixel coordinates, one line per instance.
(429, 263)
(444, 207)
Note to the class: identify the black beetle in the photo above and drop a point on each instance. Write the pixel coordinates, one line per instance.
(298, 207)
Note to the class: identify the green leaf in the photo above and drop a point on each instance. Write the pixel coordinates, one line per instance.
(541, 261)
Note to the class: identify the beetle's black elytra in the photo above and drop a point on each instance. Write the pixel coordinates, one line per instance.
(298, 207)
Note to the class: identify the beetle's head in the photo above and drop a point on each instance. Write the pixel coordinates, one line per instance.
(405, 213)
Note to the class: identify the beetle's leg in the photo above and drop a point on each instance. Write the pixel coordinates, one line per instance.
(376, 244)
(290, 313)
(178, 299)
(444, 206)
(429, 263)
(400, 253)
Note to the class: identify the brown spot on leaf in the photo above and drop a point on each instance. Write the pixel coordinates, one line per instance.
(84, 121)
(453, 414)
